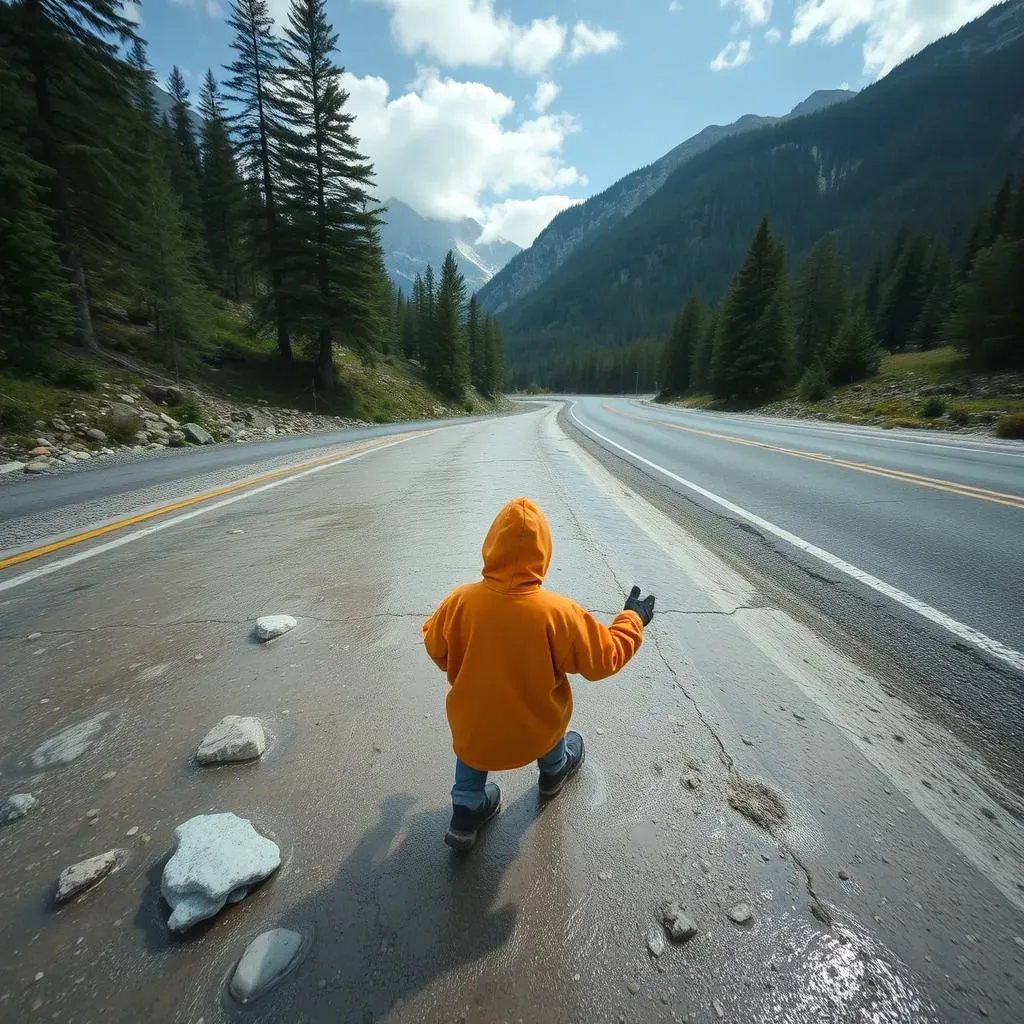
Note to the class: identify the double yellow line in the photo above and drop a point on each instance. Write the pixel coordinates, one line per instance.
(947, 486)
(196, 499)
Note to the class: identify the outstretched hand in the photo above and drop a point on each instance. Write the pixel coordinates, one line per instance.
(644, 607)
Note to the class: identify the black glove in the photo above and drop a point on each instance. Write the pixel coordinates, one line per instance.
(644, 608)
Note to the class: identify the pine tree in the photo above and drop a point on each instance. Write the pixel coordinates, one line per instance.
(221, 193)
(820, 301)
(687, 332)
(700, 370)
(476, 343)
(449, 371)
(928, 328)
(494, 363)
(331, 243)
(904, 296)
(35, 310)
(426, 319)
(753, 340)
(411, 347)
(873, 291)
(253, 83)
(71, 51)
(184, 154)
(854, 355)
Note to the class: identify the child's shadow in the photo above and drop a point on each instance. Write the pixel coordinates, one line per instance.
(396, 919)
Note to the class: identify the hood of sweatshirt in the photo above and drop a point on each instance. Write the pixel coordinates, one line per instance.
(517, 549)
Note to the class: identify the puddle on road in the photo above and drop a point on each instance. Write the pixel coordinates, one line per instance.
(841, 974)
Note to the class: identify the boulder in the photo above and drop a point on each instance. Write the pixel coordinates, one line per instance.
(41, 452)
(169, 421)
(37, 467)
(233, 738)
(16, 806)
(95, 434)
(196, 434)
(123, 415)
(215, 856)
(11, 467)
(165, 395)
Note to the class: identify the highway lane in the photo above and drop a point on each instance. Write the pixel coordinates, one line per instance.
(888, 884)
(940, 519)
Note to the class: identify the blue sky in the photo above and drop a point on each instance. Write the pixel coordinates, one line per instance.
(509, 110)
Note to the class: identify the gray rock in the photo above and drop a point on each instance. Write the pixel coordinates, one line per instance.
(142, 437)
(11, 467)
(740, 914)
(122, 415)
(266, 960)
(149, 417)
(70, 743)
(233, 738)
(269, 627)
(215, 854)
(844, 874)
(67, 458)
(258, 418)
(95, 434)
(82, 456)
(58, 424)
(656, 941)
(165, 395)
(169, 421)
(679, 925)
(130, 399)
(196, 434)
(16, 806)
(37, 466)
(87, 873)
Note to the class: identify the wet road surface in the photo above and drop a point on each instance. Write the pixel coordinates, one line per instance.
(888, 886)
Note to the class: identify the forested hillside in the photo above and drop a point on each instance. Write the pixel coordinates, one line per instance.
(249, 231)
(917, 153)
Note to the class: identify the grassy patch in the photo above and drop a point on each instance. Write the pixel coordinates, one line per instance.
(1011, 426)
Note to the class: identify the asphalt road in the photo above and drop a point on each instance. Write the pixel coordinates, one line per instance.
(893, 831)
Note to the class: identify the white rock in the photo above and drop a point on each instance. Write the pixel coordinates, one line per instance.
(233, 738)
(82, 456)
(86, 873)
(656, 941)
(36, 467)
(215, 855)
(196, 434)
(740, 914)
(130, 399)
(169, 420)
(69, 743)
(68, 458)
(11, 467)
(16, 806)
(267, 959)
(270, 626)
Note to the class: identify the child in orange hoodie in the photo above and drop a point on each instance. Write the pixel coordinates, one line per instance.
(507, 647)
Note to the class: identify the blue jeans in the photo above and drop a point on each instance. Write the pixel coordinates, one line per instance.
(468, 790)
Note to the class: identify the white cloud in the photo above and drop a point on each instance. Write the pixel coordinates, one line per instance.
(544, 95)
(132, 12)
(674, 5)
(443, 148)
(773, 35)
(757, 12)
(470, 32)
(521, 220)
(214, 9)
(732, 55)
(211, 7)
(587, 40)
(895, 29)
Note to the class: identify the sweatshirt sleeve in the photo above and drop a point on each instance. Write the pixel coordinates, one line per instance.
(597, 651)
(434, 639)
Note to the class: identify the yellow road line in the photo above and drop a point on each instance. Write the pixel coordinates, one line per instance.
(934, 483)
(220, 492)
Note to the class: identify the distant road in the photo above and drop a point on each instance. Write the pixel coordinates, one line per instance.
(941, 519)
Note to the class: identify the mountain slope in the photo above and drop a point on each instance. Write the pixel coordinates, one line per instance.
(921, 147)
(579, 224)
(411, 242)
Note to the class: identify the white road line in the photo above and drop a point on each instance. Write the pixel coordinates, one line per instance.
(165, 524)
(964, 632)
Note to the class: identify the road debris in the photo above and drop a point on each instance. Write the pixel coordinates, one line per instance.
(215, 855)
(266, 960)
(86, 873)
(740, 914)
(233, 738)
(844, 874)
(16, 806)
(270, 627)
(757, 801)
(679, 925)
(656, 941)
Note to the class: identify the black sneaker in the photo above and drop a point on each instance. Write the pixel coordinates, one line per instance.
(462, 832)
(551, 783)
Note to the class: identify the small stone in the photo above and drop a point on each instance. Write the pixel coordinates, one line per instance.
(691, 781)
(679, 925)
(989, 813)
(93, 812)
(41, 452)
(39, 976)
(605, 876)
(133, 831)
(235, 533)
(37, 467)
(95, 434)
(844, 874)
(766, 857)
(1018, 942)
(926, 784)
(266, 960)
(86, 873)
(740, 914)
(747, 741)
(633, 986)
(34, 636)
(269, 627)
(897, 737)
(656, 941)
(196, 434)
(799, 717)
(600, 732)
(16, 806)
(107, 776)
(233, 738)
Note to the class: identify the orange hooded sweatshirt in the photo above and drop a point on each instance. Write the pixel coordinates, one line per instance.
(507, 647)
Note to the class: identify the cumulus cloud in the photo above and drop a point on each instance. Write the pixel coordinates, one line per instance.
(444, 146)
(544, 95)
(732, 55)
(895, 29)
(587, 40)
(521, 220)
(773, 35)
(757, 12)
(457, 33)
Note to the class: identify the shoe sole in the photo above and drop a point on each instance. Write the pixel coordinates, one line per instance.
(465, 841)
(552, 791)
